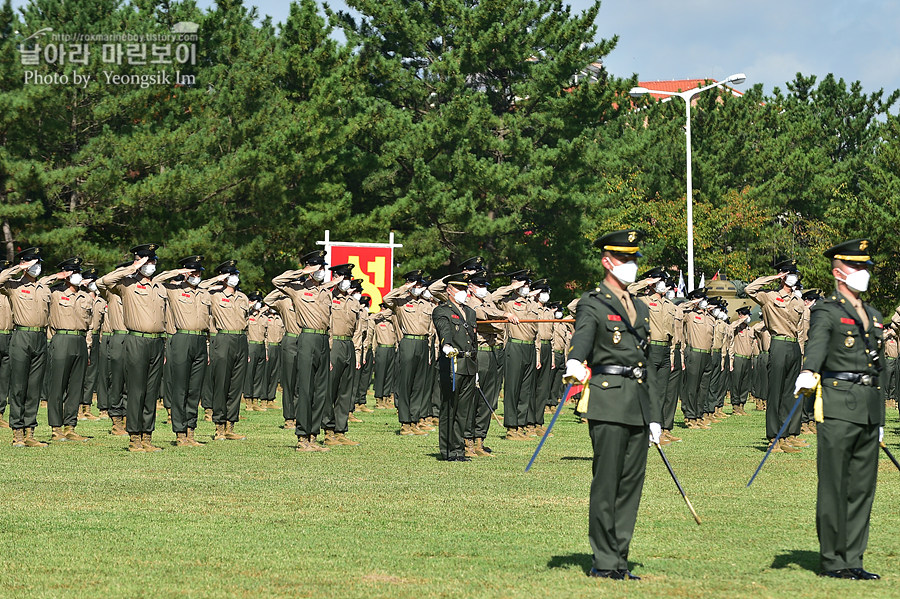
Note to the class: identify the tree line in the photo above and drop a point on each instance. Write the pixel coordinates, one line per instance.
(459, 125)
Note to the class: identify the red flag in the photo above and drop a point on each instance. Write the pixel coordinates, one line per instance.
(715, 276)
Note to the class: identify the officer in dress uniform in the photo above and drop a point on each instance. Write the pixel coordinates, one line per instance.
(144, 305)
(454, 322)
(311, 295)
(255, 378)
(187, 356)
(781, 312)
(846, 350)
(228, 348)
(70, 319)
(412, 316)
(611, 337)
(6, 326)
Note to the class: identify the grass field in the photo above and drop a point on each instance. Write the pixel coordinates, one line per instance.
(388, 519)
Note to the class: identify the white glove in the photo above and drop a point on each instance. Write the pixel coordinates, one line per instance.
(450, 351)
(806, 381)
(880, 434)
(575, 372)
(655, 432)
(477, 382)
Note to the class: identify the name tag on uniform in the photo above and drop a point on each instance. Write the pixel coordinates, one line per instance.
(615, 317)
(654, 304)
(698, 317)
(226, 300)
(517, 304)
(185, 295)
(338, 302)
(26, 291)
(848, 321)
(141, 286)
(64, 298)
(778, 299)
(252, 320)
(410, 305)
(308, 294)
(454, 316)
(382, 325)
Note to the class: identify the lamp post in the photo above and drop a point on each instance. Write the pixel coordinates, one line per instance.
(637, 92)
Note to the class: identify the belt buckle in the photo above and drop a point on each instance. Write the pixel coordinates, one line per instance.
(637, 372)
(865, 379)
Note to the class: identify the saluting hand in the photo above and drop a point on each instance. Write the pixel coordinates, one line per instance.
(139, 262)
(64, 274)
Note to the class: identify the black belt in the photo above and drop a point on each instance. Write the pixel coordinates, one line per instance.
(858, 378)
(466, 354)
(630, 372)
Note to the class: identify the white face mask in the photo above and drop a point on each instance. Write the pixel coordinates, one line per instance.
(257, 305)
(857, 281)
(232, 281)
(481, 292)
(344, 285)
(92, 287)
(791, 280)
(357, 296)
(670, 294)
(747, 319)
(660, 287)
(460, 297)
(416, 291)
(35, 271)
(797, 293)
(148, 269)
(193, 281)
(557, 315)
(716, 312)
(76, 279)
(723, 315)
(703, 304)
(626, 273)
(319, 275)
(427, 295)
(524, 290)
(544, 297)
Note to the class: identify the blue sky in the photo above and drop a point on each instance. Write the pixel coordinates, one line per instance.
(769, 40)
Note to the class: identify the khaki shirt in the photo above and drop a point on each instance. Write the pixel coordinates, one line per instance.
(256, 327)
(803, 335)
(114, 318)
(742, 340)
(781, 311)
(662, 320)
(719, 334)
(346, 321)
(412, 315)
(762, 335)
(312, 301)
(891, 347)
(545, 329)
(274, 329)
(143, 302)
(486, 309)
(98, 313)
(509, 300)
(29, 301)
(6, 318)
(381, 329)
(228, 310)
(188, 306)
(699, 329)
(70, 310)
(285, 308)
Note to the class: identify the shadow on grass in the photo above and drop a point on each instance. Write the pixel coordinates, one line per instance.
(577, 457)
(581, 560)
(808, 560)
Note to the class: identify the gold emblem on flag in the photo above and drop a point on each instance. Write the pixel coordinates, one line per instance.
(617, 336)
(849, 341)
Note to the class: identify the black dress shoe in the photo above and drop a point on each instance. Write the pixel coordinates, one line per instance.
(863, 575)
(627, 575)
(613, 574)
(846, 574)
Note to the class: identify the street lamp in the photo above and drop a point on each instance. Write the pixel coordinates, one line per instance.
(637, 92)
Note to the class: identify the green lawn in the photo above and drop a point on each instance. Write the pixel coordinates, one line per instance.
(387, 519)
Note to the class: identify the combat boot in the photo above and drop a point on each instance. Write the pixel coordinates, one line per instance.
(423, 425)
(118, 427)
(30, 441)
(256, 406)
(787, 447)
(57, 434)
(315, 446)
(18, 437)
(364, 408)
(720, 412)
(104, 415)
(81, 415)
(795, 441)
(664, 440)
(207, 415)
(168, 415)
(812, 427)
(470, 449)
(342, 439)
(270, 404)
(230, 435)
(352, 418)
(668, 434)
(3, 423)
(481, 450)
(86, 412)
(418, 431)
(303, 444)
(147, 443)
(529, 431)
(191, 440)
(406, 429)
(289, 424)
(181, 440)
(71, 435)
(513, 434)
(134, 444)
(220, 432)
(804, 428)
(330, 438)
